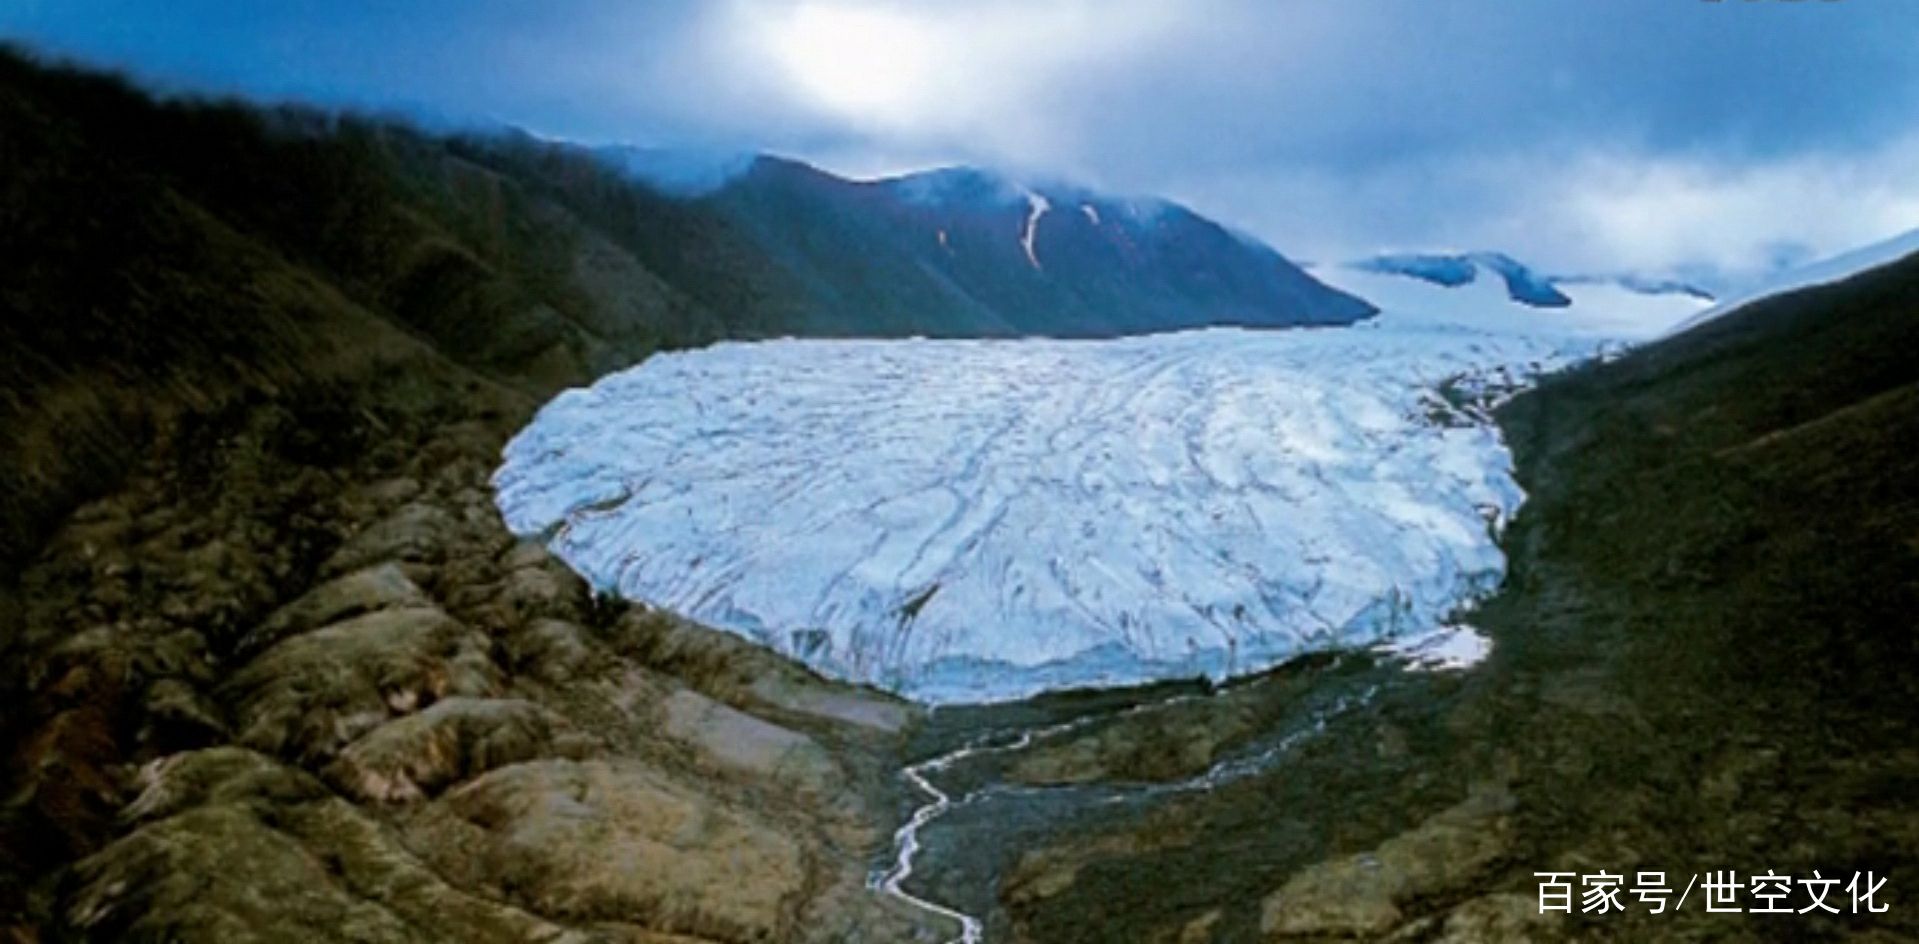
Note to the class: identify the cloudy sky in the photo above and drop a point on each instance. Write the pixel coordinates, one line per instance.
(1590, 135)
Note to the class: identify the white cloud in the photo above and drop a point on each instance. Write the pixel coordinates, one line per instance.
(1733, 215)
(980, 78)
(1727, 218)
(1637, 133)
(1329, 131)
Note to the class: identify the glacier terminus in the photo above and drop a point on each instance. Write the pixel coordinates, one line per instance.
(979, 520)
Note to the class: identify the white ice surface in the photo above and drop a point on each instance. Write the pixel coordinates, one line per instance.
(979, 520)
(1456, 646)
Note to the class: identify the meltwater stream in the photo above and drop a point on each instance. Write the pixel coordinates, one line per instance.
(1256, 759)
(906, 845)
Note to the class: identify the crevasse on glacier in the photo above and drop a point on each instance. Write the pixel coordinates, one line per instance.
(978, 520)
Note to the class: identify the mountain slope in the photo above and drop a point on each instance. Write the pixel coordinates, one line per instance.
(538, 265)
(282, 675)
(267, 639)
(960, 252)
(778, 247)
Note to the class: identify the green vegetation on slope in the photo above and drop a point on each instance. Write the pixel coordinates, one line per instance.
(1722, 546)
(166, 258)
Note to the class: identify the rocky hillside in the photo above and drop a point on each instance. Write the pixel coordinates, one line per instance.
(170, 260)
(275, 672)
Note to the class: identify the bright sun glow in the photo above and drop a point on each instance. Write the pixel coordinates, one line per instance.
(865, 61)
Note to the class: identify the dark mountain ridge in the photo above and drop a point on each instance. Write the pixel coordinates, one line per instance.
(963, 252)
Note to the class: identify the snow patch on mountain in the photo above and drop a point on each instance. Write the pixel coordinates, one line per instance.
(1037, 206)
(1611, 295)
(1451, 647)
(1641, 283)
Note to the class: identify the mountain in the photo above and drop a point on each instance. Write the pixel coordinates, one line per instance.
(1523, 285)
(257, 609)
(680, 172)
(1702, 651)
(539, 264)
(1448, 289)
(1643, 284)
(962, 252)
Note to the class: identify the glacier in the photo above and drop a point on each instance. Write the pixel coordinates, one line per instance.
(980, 520)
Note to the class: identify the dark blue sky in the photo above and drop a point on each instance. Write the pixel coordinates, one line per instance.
(1585, 134)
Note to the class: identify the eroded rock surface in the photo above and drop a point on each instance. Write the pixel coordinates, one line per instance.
(618, 840)
(417, 729)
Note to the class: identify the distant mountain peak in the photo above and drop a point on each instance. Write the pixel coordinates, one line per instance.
(1641, 283)
(1524, 284)
(1451, 270)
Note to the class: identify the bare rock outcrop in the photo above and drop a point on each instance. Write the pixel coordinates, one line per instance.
(380, 587)
(415, 756)
(311, 695)
(743, 745)
(620, 841)
(234, 846)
